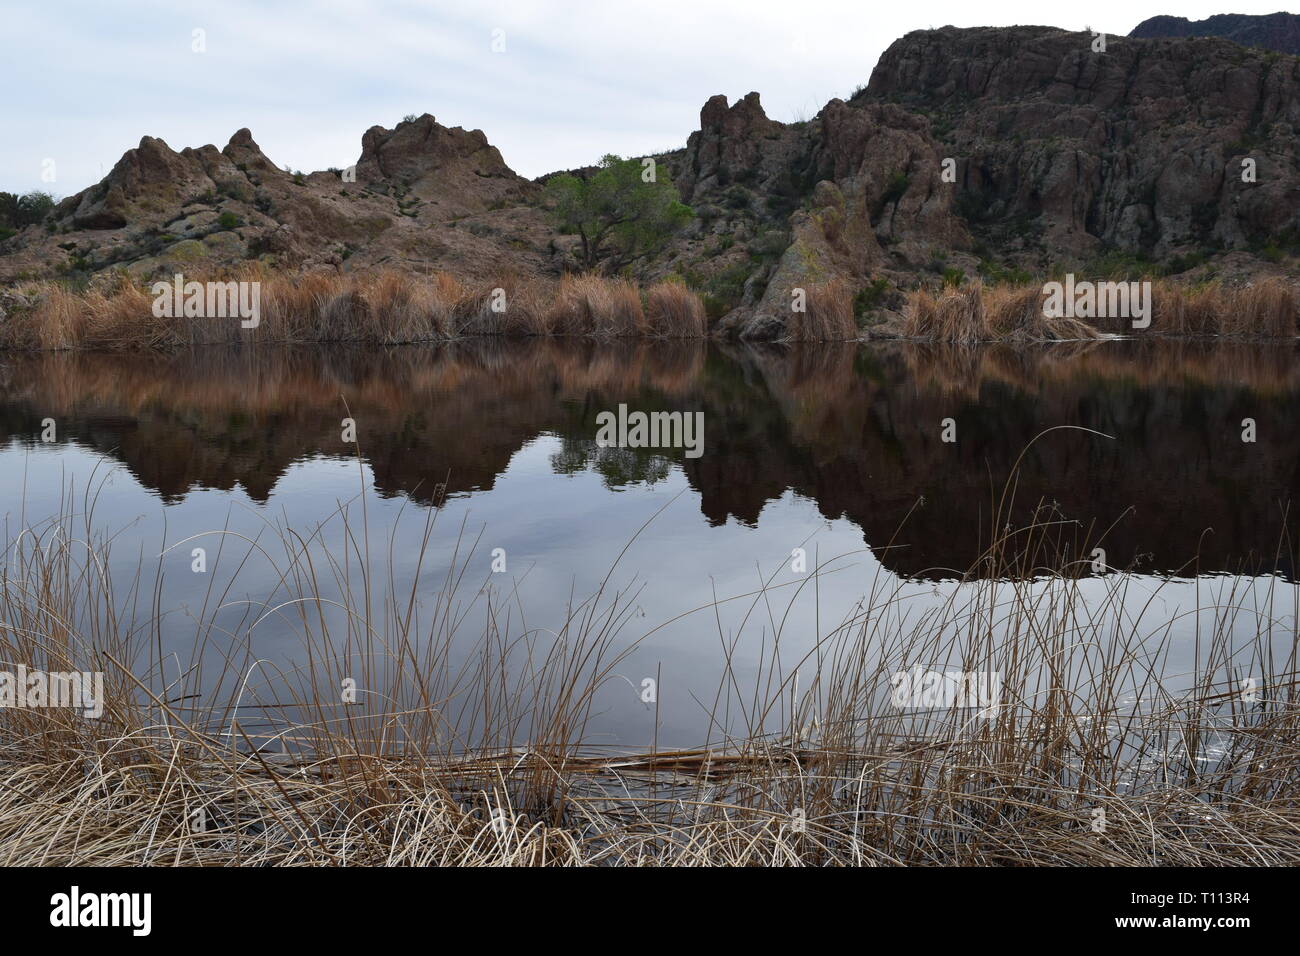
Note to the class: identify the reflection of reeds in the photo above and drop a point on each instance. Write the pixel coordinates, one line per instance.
(962, 369)
(386, 383)
(470, 750)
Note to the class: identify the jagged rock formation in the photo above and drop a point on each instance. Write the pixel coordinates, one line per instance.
(851, 193)
(454, 168)
(1273, 31)
(423, 196)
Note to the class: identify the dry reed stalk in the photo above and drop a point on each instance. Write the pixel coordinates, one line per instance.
(827, 316)
(482, 763)
(674, 311)
(596, 306)
(975, 313)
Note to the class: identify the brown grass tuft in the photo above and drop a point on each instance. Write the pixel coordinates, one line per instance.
(828, 316)
(595, 305)
(675, 312)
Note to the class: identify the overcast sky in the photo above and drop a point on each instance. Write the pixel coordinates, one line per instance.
(85, 79)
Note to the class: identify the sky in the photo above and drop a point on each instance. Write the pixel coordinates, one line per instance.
(554, 84)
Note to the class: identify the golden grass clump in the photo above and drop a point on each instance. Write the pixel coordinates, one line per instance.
(827, 315)
(527, 306)
(292, 304)
(597, 306)
(673, 311)
(1268, 308)
(399, 308)
(975, 313)
(513, 306)
(59, 322)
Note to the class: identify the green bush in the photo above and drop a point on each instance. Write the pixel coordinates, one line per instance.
(25, 210)
(869, 298)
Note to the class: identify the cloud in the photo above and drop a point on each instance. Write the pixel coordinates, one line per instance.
(577, 78)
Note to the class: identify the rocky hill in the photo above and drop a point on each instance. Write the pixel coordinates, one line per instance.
(421, 195)
(988, 151)
(1273, 31)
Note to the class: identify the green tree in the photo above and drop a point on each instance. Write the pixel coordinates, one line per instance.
(625, 209)
(19, 211)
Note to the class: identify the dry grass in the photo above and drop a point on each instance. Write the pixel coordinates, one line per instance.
(673, 311)
(978, 313)
(486, 762)
(1264, 309)
(384, 307)
(388, 307)
(828, 316)
(515, 306)
(597, 306)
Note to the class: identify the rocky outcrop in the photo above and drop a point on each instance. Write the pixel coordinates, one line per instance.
(1065, 152)
(423, 196)
(144, 180)
(1273, 31)
(851, 194)
(454, 168)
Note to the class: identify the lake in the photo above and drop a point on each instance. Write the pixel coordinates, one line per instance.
(836, 450)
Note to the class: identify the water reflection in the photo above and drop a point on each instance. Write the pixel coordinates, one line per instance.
(854, 430)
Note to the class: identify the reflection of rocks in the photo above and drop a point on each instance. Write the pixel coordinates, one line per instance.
(856, 430)
(864, 442)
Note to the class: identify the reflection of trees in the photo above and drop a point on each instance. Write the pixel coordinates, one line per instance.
(617, 466)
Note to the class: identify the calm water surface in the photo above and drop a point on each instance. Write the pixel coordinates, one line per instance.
(836, 450)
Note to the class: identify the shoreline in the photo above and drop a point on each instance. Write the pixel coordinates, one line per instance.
(393, 308)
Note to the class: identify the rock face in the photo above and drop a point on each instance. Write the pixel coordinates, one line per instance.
(1273, 31)
(451, 167)
(852, 193)
(1070, 152)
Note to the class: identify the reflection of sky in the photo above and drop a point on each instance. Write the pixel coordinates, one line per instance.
(561, 534)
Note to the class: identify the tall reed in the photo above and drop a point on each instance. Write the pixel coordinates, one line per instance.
(827, 315)
(484, 757)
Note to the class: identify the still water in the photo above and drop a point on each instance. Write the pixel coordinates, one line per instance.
(838, 451)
